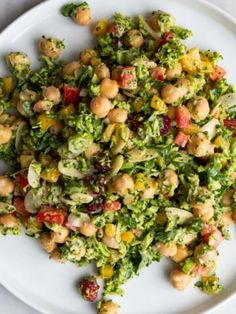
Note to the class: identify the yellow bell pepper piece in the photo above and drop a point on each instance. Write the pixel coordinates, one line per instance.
(192, 129)
(106, 271)
(194, 63)
(51, 173)
(110, 230)
(45, 121)
(221, 142)
(127, 236)
(67, 111)
(100, 28)
(159, 105)
(7, 85)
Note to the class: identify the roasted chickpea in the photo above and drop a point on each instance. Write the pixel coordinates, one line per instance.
(198, 108)
(227, 198)
(170, 94)
(180, 280)
(109, 307)
(16, 59)
(100, 106)
(181, 254)
(173, 73)
(156, 22)
(183, 85)
(25, 96)
(71, 68)
(83, 15)
(102, 71)
(43, 105)
(52, 94)
(86, 56)
(168, 182)
(134, 38)
(5, 134)
(88, 229)
(167, 249)
(92, 150)
(225, 219)
(204, 212)
(151, 189)
(110, 242)
(118, 115)
(205, 255)
(51, 47)
(123, 184)
(61, 234)
(200, 146)
(47, 242)
(8, 221)
(109, 88)
(202, 204)
(55, 254)
(6, 186)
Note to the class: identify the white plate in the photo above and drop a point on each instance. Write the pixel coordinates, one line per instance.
(24, 268)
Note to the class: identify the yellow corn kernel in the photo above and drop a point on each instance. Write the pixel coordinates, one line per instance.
(127, 236)
(159, 105)
(100, 28)
(221, 142)
(67, 111)
(110, 230)
(161, 218)
(51, 174)
(137, 104)
(45, 121)
(192, 129)
(7, 84)
(106, 271)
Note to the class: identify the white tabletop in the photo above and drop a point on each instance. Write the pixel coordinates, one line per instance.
(9, 10)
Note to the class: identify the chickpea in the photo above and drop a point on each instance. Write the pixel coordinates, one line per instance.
(52, 94)
(102, 71)
(51, 47)
(88, 229)
(134, 38)
(5, 134)
(181, 254)
(200, 146)
(61, 234)
(8, 221)
(180, 280)
(183, 85)
(71, 68)
(83, 15)
(170, 94)
(18, 59)
(189, 238)
(123, 184)
(6, 186)
(150, 191)
(109, 307)
(109, 88)
(225, 219)
(204, 212)
(198, 108)
(47, 242)
(110, 242)
(55, 254)
(167, 249)
(86, 56)
(118, 115)
(169, 182)
(28, 96)
(92, 150)
(227, 198)
(153, 21)
(173, 73)
(100, 106)
(205, 255)
(43, 105)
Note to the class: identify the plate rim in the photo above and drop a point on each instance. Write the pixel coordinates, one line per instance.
(18, 294)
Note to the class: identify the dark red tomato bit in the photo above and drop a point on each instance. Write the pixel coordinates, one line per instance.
(95, 208)
(52, 215)
(158, 73)
(166, 126)
(182, 116)
(166, 37)
(71, 95)
(217, 74)
(89, 288)
(135, 121)
(18, 203)
(21, 180)
(126, 77)
(102, 168)
(231, 123)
